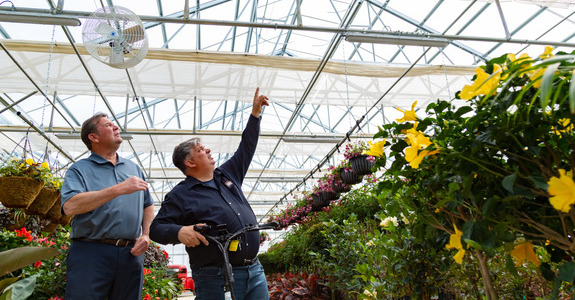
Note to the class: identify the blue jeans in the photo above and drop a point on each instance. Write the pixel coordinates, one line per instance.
(96, 271)
(250, 283)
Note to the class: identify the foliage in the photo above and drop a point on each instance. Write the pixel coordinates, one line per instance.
(264, 236)
(160, 283)
(50, 274)
(155, 256)
(297, 286)
(485, 167)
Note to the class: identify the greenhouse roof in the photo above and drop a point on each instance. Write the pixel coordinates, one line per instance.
(322, 63)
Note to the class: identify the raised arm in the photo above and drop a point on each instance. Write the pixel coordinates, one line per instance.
(259, 102)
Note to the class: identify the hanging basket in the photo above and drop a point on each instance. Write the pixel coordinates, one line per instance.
(361, 165)
(341, 187)
(329, 196)
(65, 220)
(349, 177)
(19, 191)
(54, 213)
(50, 227)
(43, 202)
(318, 202)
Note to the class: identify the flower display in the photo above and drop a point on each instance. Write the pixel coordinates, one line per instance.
(27, 168)
(354, 149)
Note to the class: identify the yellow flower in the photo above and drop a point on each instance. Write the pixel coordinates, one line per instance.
(523, 252)
(547, 53)
(536, 76)
(45, 166)
(29, 161)
(375, 149)
(562, 190)
(408, 115)
(483, 84)
(417, 140)
(565, 123)
(415, 158)
(455, 243)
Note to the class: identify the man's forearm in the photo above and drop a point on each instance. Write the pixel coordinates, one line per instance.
(147, 219)
(88, 201)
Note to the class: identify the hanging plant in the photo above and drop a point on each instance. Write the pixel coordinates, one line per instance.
(21, 181)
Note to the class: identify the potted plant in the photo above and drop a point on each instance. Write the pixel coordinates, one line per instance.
(49, 194)
(347, 174)
(324, 191)
(360, 162)
(21, 181)
(337, 182)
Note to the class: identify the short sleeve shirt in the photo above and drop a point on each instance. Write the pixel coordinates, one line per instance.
(120, 218)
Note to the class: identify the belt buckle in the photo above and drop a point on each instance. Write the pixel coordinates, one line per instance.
(118, 242)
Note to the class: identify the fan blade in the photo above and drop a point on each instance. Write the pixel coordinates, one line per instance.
(104, 29)
(134, 34)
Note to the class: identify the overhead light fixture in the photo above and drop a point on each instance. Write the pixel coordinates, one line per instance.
(21, 17)
(77, 136)
(311, 140)
(405, 40)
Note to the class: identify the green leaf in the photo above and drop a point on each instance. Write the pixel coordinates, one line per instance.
(14, 259)
(473, 244)
(546, 271)
(22, 289)
(509, 181)
(4, 283)
(547, 84)
(510, 266)
(567, 272)
(6, 295)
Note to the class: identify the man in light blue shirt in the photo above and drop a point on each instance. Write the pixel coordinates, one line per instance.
(112, 210)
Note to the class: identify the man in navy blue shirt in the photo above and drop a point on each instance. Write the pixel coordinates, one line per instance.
(112, 210)
(213, 196)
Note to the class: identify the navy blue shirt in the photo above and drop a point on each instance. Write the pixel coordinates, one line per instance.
(120, 218)
(192, 202)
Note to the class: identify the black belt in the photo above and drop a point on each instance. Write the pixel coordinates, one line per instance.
(115, 242)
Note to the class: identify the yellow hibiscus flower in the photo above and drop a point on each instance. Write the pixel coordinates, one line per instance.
(408, 115)
(375, 149)
(547, 52)
(562, 191)
(484, 83)
(523, 252)
(455, 243)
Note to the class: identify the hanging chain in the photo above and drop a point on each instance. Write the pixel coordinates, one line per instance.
(95, 96)
(48, 78)
(446, 80)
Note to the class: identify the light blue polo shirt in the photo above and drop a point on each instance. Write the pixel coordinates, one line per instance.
(120, 218)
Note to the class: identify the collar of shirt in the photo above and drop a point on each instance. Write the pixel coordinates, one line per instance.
(100, 160)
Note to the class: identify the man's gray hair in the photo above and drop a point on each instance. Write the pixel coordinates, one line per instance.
(183, 152)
